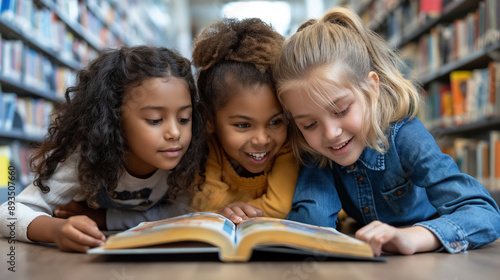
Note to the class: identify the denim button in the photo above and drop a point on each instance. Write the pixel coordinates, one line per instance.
(361, 179)
(366, 208)
(352, 167)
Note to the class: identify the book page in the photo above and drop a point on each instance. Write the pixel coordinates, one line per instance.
(256, 225)
(202, 226)
(277, 232)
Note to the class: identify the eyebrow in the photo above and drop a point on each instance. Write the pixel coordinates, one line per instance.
(160, 108)
(248, 118)
(328, 105)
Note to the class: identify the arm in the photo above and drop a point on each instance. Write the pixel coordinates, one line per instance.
(32, 203)
(406, 241)
(316, 200)
(33, 210)
(277, 200)
(78, 233)
(469, 217)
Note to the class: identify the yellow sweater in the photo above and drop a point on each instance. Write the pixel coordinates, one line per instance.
(272, 191)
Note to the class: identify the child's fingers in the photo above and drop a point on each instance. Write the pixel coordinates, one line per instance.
(376, 234)
(251, 211)
(235, 214)
(239, 212)
(88, 227)
(72, 239)
(228, 213)
(367, 231)
(69, 245)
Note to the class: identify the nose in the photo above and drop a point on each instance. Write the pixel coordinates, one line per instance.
(172, 131)
(333, 129)
(261, 137)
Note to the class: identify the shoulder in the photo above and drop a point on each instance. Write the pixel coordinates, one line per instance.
(67, 170)
(413, 142)
(409, 130)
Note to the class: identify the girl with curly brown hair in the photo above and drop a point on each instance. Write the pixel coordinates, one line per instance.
(128, 137)
(250, 171)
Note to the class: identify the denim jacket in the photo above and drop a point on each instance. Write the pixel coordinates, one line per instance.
(407, 185)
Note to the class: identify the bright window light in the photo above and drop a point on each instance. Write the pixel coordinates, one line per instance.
(275, 13)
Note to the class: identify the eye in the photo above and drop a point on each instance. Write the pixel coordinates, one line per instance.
(344, 112)
(242, 125)
(184, 120)
(155, 122)
(310, 126)
(276, 122)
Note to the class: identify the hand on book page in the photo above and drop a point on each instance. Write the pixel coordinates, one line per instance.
(234, 243)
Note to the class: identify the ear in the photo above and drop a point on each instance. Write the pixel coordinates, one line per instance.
(373, 81)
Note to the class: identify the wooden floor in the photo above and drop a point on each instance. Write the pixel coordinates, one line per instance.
(47, 262)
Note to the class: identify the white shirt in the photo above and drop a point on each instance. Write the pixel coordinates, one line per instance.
(64, 187)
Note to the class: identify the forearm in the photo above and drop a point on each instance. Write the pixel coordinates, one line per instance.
(423, 239)
(42, 229)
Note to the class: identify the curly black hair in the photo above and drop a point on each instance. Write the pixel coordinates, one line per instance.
(89, 121)
(231, 54)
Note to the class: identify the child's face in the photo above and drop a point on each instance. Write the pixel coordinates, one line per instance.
(331, 128)
(251, 128)
(156, 120)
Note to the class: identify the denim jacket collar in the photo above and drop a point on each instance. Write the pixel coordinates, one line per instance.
(372, 159)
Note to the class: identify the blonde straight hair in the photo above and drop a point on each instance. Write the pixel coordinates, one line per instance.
(339, 42)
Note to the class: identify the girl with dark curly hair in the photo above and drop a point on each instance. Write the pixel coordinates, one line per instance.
(128, 137)
(251, 171)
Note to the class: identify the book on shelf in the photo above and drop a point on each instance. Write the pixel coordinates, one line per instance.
(8, 110)
(458, 80)
(494, 159)
(4, 166)
(209, 232)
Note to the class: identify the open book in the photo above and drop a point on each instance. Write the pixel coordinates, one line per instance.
(233, 243)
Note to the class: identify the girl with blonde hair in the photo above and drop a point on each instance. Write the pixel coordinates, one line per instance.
(364, 149)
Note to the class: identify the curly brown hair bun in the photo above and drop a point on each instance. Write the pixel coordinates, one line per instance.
(231, 54)
(249, 40)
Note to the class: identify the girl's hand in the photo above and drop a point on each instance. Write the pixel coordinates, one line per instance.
(78, 233)
(237, 212)
(406, 241)
(80, 208)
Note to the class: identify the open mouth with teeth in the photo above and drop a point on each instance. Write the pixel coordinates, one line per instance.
(257, 156)
(342, 146)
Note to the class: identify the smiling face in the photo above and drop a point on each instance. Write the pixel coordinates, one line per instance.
(251, 128)
(332, 126)
(156, 121)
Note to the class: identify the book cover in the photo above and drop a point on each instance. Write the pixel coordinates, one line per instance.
(214, 233)
(494, 151)
(458, 80)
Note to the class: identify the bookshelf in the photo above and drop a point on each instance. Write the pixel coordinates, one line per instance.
(439, 39)
(43, 43)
